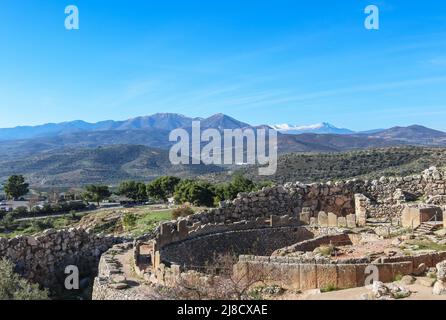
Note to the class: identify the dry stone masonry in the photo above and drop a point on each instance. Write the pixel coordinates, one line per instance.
(42, 259)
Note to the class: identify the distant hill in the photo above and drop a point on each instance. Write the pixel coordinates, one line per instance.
(413, 134)
(108, 165)
(164, 121)
(367, 164)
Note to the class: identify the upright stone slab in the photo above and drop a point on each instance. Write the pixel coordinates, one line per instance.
(351, 221)
(322, 219)
(313, 222)
(182, 229)
(444, 217)
(342, 222)
(361, 203)
(156, 260)
(332, 219)
(305, 217)
(165, 236)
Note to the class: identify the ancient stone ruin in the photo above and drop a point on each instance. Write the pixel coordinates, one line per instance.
(278, 229)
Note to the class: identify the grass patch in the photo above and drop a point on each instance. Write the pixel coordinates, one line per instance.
(147, 222)
(398, 277)
(329, 288)
(31, 227)
(427, 245)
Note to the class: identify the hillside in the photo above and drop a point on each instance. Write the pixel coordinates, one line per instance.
(370, 164)
(413, 134)
(113, 164)
(108, 165)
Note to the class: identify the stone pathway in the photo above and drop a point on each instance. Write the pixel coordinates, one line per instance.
(137, 285)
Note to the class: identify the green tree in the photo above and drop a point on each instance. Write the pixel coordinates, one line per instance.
(16, 187)
(198, 193)
(96, 193)
(13, 287)
(239, 184)
(162, 188)
(133, 190)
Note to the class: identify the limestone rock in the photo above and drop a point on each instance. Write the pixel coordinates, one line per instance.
(439, 288)
(407, 280)
(379, 289)
(425, 281)
(441, 270)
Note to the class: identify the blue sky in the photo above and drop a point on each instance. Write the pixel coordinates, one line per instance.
(270, 62)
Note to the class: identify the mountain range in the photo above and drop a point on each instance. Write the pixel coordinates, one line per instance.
(73, 153)
(159, 121)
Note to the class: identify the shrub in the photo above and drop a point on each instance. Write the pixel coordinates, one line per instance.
(8, 220)
(182, 212)
(20, 211)
(129, 221)
(13, 287)
(326, 250)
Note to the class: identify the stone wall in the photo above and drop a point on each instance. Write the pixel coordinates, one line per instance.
(297, 276)
(261, 241)
(377, 198)
(311, 244)
(43, 258)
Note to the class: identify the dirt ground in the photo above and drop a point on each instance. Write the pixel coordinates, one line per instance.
(419, 292)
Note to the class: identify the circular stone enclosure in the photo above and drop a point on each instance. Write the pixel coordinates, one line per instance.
(202, 250)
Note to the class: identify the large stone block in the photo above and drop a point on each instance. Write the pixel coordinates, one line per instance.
(351, 221)
(308, 276)
(347, 277)
(291, 277)
(414, 215)
(182, 229)
(305, 217)
(332, 219)
(402, 268)
(385, 272)
(327, 275)
(342, 222)
(361, 204)
(423, 258)
(322, 219)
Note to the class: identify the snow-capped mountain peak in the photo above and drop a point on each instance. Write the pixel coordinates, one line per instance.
(319, 128)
